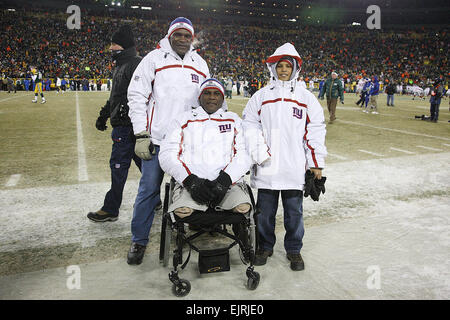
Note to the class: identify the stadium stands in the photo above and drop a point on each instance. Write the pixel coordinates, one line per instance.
(402, 53)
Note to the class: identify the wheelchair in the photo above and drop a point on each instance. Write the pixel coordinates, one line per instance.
(213, 222)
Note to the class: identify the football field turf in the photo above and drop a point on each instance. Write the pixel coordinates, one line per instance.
(56, 143)
(54, 169)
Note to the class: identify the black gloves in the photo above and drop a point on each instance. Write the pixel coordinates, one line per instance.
(199, 189)
(100, 124)
(208, 192)
(313, 187)
(220, 187)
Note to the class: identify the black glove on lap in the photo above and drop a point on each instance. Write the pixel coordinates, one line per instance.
(199, 189)
(220, 186)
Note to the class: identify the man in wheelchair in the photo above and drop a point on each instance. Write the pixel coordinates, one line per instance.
(204, 151)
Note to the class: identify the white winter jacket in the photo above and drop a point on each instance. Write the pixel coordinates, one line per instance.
(285, 132)
(203, 144)
(163, 86)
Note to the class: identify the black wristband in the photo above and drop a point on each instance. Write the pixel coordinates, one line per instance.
(142, 136)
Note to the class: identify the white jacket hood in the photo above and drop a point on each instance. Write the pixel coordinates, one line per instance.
(286, 49)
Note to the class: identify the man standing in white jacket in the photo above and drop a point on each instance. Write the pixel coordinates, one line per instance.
(285, 133)
(165, 84)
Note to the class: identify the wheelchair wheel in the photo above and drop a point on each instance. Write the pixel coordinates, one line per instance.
(182, 288)
(253, 279)
(164, 243)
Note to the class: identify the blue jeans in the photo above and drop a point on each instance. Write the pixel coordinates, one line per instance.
(267, 204)
(434, 108)
(390, 97)
(147, 199)
(120, 161)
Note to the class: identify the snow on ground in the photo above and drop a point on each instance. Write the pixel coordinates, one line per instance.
(383, 217)
(50, 216)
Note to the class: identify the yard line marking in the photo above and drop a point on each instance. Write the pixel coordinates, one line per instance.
(446, 144)
(372, 153)
(429, 148)
(82, 167)
(401, 150)
(13, 180)
(337, 156)
(394, 130)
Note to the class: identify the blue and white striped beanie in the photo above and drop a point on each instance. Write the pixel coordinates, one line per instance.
(180, 23)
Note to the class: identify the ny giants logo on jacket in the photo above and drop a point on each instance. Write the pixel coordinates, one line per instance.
(195, 78)
(298, 113)
(224, 128)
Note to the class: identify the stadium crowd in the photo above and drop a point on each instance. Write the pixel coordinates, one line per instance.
(402, 55)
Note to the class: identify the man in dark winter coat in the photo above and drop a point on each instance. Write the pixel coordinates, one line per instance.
(436, 94)
(390, 90)
(116, 109)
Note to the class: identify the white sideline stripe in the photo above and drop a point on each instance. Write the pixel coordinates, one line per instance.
(429, 148)
(337, 156)
(13, 180)
(401, 150)
(394, 130)
(372, 153)
(446, 144)
(82, 167)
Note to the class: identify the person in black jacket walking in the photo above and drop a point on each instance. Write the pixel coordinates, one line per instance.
(116, 109)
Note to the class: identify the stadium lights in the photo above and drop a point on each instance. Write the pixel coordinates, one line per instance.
(146, 8)
(12, 10)
(356, 24)
(134, 7)
(292, 20)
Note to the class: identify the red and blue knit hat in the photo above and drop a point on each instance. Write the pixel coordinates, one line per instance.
(180, 23)
(211, 84)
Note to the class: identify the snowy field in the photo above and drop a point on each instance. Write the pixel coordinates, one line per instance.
(381, 231)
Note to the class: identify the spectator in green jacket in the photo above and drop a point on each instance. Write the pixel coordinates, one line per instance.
(333, 89)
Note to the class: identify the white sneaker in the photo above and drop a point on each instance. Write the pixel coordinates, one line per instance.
(34, 101)
(374, 112)
(365, 111)
(43, 101)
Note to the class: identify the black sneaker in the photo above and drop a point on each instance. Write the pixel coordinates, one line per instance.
(136, 253)
(261, 257)
(102, 216)
(296, 260)
(158, 206)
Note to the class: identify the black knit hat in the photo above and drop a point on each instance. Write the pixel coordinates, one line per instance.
(124, 37)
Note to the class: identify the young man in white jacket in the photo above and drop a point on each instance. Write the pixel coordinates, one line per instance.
(204, 151)
(285, 132)
(165, 84)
